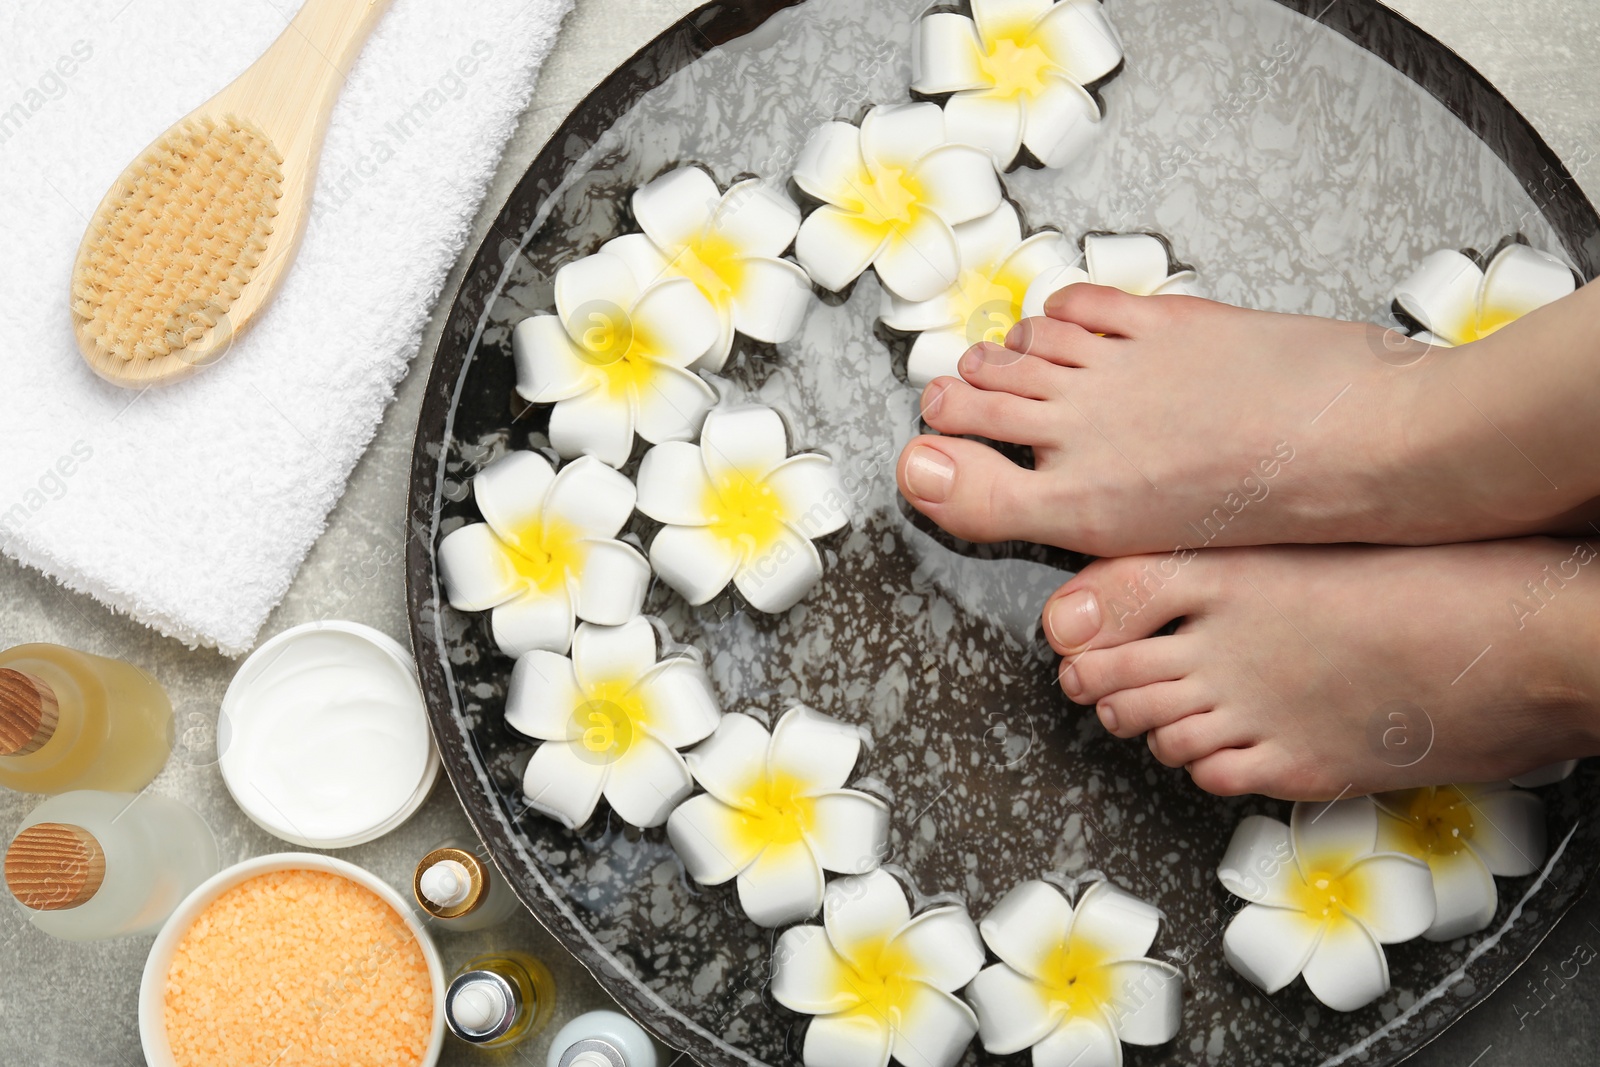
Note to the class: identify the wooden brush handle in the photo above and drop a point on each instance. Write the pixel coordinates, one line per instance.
(52, 866)
(28, 713)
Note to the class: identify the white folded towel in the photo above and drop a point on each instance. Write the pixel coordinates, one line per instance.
(190, 506)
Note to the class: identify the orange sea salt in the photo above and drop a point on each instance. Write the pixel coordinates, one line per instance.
(298, 969)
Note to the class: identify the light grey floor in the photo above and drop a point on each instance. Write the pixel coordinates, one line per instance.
(65, 1003)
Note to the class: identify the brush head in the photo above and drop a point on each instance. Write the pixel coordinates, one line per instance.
(173, 245)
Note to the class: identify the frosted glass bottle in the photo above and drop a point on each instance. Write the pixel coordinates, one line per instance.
(604, 1039)
(71, 720)
(90, 865)
(460, 891)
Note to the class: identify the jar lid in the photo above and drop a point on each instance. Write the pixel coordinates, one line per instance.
(323, 739)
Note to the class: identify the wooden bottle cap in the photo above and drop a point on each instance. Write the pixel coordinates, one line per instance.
(52, 866)
(27, 713)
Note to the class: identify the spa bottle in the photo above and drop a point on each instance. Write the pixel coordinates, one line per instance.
(500, 999)
(604, 1039)
(70, 720)
(461, 891)
(90, 865)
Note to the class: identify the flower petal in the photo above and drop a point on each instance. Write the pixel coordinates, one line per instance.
(808, 975)
(783, 885)
(683, 710)
(674, 485)
(1060, 122)
(857, 1038)
(1081, 1041)
(641, 255)
(942, 948)
(1007, 18)
(1546, 775)
(757, 219)
(1520, 279)
(1269, 945)
(476, 569)
(1347, 970)
(673, 405)
(829, 163)
(1080, 40)
(779, 577)
(1146, 1002)
(1012, 1010)
(510, 492)
(615, 655)
(1181, 283)
(676, 207)
(986, 241)
(919, 260)
(732, 762)
(958, 184)
(674, 322)
(598, 281)
(1047, 284)
(1044, 251)
(591, 496)
(861, 911)
(834, 246)
(814, 749)
(849, 833)
(934, 1028)
(945, 54)
(1133, 262)
(533, 620)
(1119, 923)
(748, 440)
(694, 561)
(598, 423)
(898, 135)
(1396, 898)
(811, 493)
(549, 367)
(936, 353)
(1464, 895)
(1508, 831)
(562, 784)
(986, 121)
(1027, 925)
(1442, 294)
(711, 838)
(1259, 864)
(647, 782)
(1332, 836)
(913, 316)
(773, 300)
(542, 695)
(612, 585)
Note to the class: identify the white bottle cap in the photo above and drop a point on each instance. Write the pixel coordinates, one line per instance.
(480, 1006)
(446, 884)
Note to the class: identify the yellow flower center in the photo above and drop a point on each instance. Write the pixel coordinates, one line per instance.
(1323, 893)
(619, 349)
(545, 553)
(1075, 976)
(987, 305)
(1016, 65)
(889, 197)
(715, 265)
(745, 512)
(1440, 821)
(779, 813)
(1484, 322)
(606, 723)
(880, 980)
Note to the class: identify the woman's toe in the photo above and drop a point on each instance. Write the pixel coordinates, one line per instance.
(1054, 341)
(974, 492)
(1131, 712)
(1102, 309)
(1229, 772)
(1092, 675)
(953, 407)
(1115, 601)
(1194, 737)
(1003, 369)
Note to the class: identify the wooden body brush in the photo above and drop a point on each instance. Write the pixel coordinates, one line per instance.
(194, 237)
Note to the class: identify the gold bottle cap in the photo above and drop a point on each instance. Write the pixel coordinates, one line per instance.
(463, 899)
(27, 713)
(52, 866)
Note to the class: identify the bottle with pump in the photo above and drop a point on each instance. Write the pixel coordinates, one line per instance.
(604, 1039)
(499, 1000)
(460, 890)
(71, 720)
(90, 865)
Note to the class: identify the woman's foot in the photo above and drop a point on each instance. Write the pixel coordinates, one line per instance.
(1307, 673)
(1173, 421)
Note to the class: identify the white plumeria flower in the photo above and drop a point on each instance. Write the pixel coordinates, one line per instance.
(1466, 834)
(614, 359)
(1018, 70)
(1323, 902)
(997, 267)
(1456, 302)
(1137, 263)
(891, 191)
(1074, 983)
(612, 719)
(546, 554)
(737, 510)
(879, 982)
(775, 813)
(728, 245)
(1549, 774)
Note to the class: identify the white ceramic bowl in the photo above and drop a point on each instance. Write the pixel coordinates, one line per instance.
(152, 987)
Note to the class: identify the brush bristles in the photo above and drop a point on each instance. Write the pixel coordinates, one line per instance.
(183, 236)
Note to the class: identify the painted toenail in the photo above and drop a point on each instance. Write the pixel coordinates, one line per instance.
(1108, 717)
(1073, 619)
(1069, 681)
(930, 474)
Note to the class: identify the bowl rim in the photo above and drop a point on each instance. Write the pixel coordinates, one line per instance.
(152, 1002)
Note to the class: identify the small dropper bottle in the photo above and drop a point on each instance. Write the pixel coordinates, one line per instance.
(604, 1039)
(500, 999)
(460, 890)
(71, 720)
(88, 865)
